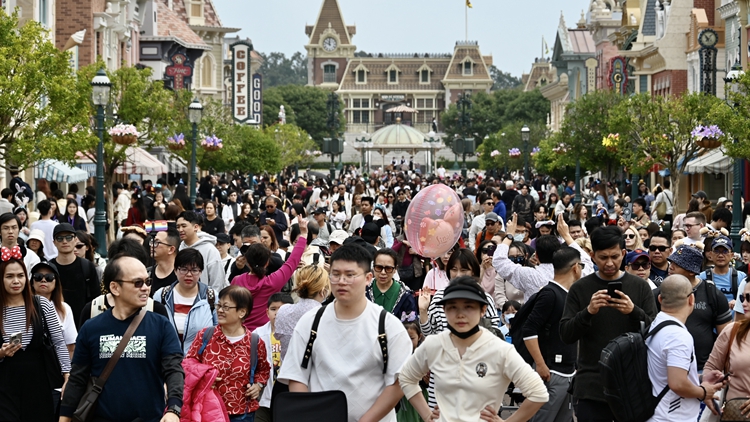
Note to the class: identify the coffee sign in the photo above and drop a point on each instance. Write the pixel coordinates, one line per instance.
(247, 96)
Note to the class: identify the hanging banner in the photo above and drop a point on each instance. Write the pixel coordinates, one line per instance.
(247, 95)
(618, 75)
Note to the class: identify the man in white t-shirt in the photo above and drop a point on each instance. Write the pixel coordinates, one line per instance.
(346, 355)
(47, 225)
(671, 357)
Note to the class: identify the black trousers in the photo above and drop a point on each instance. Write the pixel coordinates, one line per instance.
(592, 411)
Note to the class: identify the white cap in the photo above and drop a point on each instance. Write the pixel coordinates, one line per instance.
(338, 237)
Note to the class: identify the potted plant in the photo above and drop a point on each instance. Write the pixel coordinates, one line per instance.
(212, 143)
(514, 152)
(707, 136)
(124, 134)
(176, 143)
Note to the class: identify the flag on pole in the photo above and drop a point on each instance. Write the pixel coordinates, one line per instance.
(546, 47)
(468, 4)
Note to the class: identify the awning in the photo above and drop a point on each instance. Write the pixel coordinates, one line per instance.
(170, 160)
(713, 161)
(401, 109)
(57, 171)
(139, 161)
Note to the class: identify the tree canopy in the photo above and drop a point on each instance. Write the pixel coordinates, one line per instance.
(278, 70)
(305, 107)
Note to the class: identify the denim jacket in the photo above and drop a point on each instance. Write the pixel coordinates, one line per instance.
(199, 317)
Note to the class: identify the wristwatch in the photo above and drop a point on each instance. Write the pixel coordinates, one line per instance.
(509, 237)
(174, 409)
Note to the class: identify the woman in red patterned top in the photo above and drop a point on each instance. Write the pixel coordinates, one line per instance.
(229, 351)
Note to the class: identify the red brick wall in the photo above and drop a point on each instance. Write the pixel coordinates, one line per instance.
(318, 72)
(669, 82)
(71, 17)
(710, 7)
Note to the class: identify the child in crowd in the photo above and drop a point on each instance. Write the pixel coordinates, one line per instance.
(273, 352)
(407, 412)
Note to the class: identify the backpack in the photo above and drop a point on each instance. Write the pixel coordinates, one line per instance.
(517, 326)
(734, 288)
(623, 367)
(382, 337)
(209, 332)
(210, 297)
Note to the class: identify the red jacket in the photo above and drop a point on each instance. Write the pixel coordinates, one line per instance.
(200, 401)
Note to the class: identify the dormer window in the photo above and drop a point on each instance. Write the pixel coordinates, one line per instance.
(392, 74)
(196, 8)
(361, 76)
(424, 76)
(468, 70)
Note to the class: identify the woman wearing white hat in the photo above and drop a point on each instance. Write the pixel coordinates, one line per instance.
(36, 242)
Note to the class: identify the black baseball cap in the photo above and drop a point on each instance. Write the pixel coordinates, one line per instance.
(63, 228)
(461, 291)
(223, 238)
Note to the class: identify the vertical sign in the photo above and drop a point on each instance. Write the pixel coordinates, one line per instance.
(247, 104)
(618, 75)
(591, 65)
(180, 71)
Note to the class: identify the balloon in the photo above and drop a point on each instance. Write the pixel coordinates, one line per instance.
(434, 221)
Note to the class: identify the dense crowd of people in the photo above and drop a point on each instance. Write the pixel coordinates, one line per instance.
(267, 289)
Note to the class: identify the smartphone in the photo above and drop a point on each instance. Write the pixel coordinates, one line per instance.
(612, 286)
(16, 338)
(724, 377)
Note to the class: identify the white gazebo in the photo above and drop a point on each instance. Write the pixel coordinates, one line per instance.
(399, 138)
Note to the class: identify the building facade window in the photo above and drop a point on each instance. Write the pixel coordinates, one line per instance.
(329, 73)
(424, 76)
(467, 68)
(44, 13)
(207, 72)
(392, 76)
(426, 108)
(196, 8)
(361, 76)
(360, 112)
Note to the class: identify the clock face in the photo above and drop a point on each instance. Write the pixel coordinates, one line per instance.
(329, 44)
(708, 38)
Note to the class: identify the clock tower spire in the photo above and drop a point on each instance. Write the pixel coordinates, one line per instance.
(330, 46)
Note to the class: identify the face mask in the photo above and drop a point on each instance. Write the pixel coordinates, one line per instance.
(466, 334)
(375, 218)
(325, 197)
(519, 237)
(508, 318)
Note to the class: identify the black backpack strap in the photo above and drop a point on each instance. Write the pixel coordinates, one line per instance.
(709, 275)
(313, 336)
(383, 338)
(734, 282)
(659, 327)
(164, 292)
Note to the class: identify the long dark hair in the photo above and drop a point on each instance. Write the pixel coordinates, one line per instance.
(139, 205)
(76, 217)
(180, 192)
(56, 297)
(87, 239)
(28, 298)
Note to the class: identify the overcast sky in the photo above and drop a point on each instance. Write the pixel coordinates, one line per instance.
(510, 30)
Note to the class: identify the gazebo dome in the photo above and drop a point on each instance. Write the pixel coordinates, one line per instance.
(397, 135)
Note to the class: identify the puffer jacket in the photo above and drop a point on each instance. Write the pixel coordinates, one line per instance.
(200, 401)
(200, 316)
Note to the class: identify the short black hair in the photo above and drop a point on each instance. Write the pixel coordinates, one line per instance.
(44, 206)
(191, 217)
(723, 215)
(564, 258)
(5, 217)
(546, 246)
(6, 193)
(592, 224)
(173, 237)
(663, 235)
(238, 227)
(574, 223)
(353, 253)
(367, 199)
(387, 252)
(607, 237)
(641, 202)
(279, 297)
(188, 256)
(128, 247)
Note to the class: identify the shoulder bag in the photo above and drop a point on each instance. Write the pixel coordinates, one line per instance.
(730, 409)
(87, 406)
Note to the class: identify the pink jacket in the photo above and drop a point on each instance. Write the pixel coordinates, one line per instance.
(200, 401)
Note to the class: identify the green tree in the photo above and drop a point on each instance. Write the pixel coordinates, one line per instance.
(503, 80)
(42, 114)
(294, 144)
(278, 70)
(508, 138)
(735, 120)
(305, 106)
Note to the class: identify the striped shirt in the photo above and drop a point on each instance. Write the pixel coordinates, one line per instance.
(14, 321)
(437, 323)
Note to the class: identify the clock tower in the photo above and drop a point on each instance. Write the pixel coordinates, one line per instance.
(329, 48)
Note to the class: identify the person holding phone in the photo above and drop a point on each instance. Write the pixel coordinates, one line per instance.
(592, 318)
(487, 272)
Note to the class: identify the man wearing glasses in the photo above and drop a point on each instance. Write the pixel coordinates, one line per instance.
(10, 227)
(393, 295)
(693, 223)
(164, 248)
(78, 276)
(273, 217)
(723, 275)
(152, 358)
(346, 354)
(659, 248)
(479, 222)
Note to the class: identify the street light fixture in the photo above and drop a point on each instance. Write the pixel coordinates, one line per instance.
(525, 135)
(101, 88)
(195, 114)
(732, 81)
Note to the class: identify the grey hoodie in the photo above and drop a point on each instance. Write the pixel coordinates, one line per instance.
(213, 272)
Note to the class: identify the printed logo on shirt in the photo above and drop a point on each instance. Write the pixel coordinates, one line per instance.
(701, 306)
(136, 348)
(481, 369)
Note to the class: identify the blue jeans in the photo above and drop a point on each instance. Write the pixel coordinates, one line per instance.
(250, 417)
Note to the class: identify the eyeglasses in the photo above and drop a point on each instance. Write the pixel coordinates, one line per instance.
(689, 226)
(388, 269)
(80, 246)
(489, 203)
(344, 279)
(390, 196)
(745, 298)
(489, 223)
(225, 308)
(192, 271)
(628, 236)
(654, 248)
(156, 243)
(38, 277)
(517, 259)
(66, 238)
(721, 251)
(640, 266)
(729, 207)
(581, 265)
(137, 283)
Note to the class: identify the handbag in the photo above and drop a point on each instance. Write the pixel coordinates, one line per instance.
(730, 409)
(51, 362)
(87, 406)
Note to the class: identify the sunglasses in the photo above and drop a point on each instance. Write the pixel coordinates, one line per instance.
(66, 238)
(745, 298)
(640, 266)
(137, 283)
(490, 223)
(80, 246)
(48, 278)
(379, 268)
(654, 248)
(517, 259)
(489, 203)
(628, 236)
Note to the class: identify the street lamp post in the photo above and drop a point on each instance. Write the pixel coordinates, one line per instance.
(195, 113)
(732, 82)
(334, 146)
(577, 199)
(101, 87)
(464, 125)
(525, 135)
